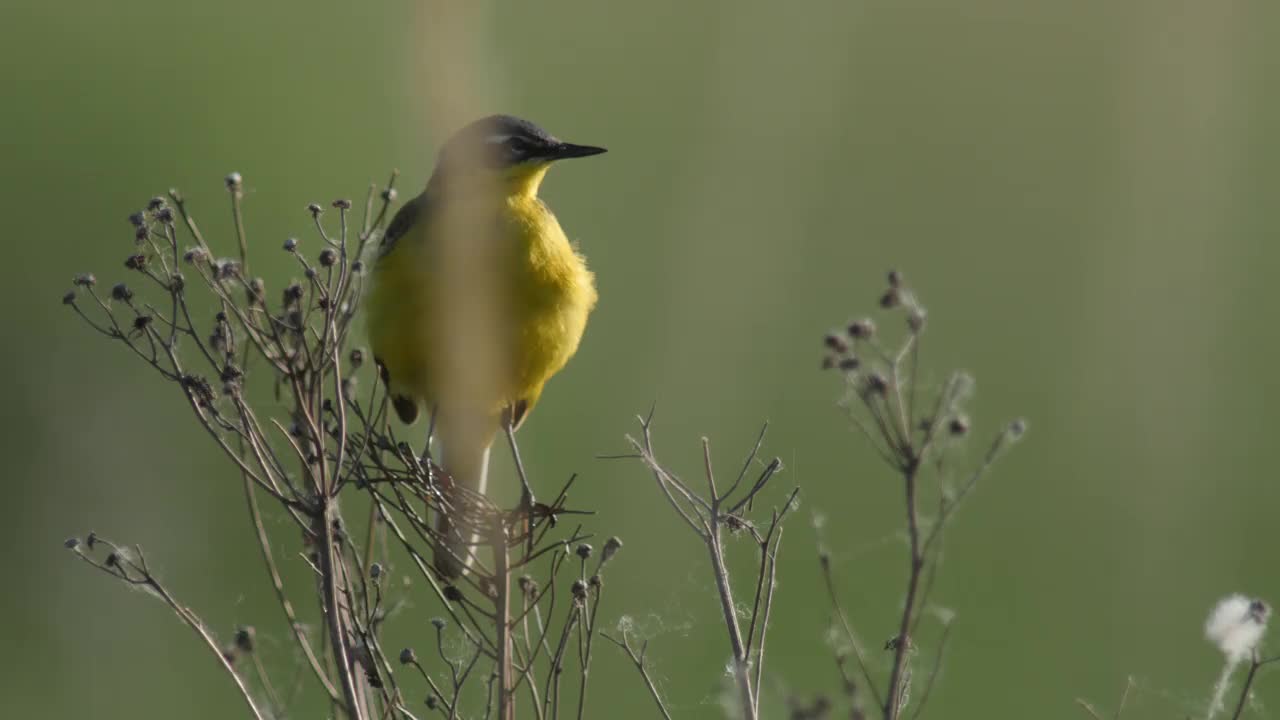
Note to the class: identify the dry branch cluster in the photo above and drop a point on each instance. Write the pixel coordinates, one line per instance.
(917, 438)
(274, 377)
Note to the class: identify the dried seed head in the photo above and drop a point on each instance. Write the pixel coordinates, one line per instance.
(849, 364)
(226, 268)
(71, 543)
(342, 204)
(245, 638)
(438, 623)
(916, 319)
(195, 255)
(1236, 626)
(452, 594)
(255, 290)
(85, 280)
(357, 358)
(137, 219)
(1017, 429)
(1259, 612)
(141, 322)
(389, 195)
(528, 585)
(895, 279)
(136, 262)
(432, 702)
(958, 426)
(155, 203)
(835, 342)
(234, 181)
(583, 551)
(291, 244)
(875, 384)
(611, 548)
(579, 591)
(165, 215)
(113, 560)
(140, 235)
(890, 299)
(310, 273)
(328, 257)
(864, 329)
(91, 539)
(177, 282)
(315, 210)
(69, 298)
(121, 292)
(407, 656)
(357, 267)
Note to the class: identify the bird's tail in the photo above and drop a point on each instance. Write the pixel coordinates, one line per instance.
(466, 459)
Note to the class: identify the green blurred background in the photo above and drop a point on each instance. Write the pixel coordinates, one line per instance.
(1083, 192)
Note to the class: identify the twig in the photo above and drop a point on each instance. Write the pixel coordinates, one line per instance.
(638, 661)
(120, 566)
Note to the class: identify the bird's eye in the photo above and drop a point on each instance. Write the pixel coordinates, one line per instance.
(518, 146)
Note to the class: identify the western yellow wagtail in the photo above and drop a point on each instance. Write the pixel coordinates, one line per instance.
(478, 298)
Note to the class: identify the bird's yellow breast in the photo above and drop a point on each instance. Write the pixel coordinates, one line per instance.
(537, 297)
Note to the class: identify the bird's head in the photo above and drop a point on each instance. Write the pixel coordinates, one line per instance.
(508, 150)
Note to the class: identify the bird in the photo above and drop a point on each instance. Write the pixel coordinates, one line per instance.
(477, 298)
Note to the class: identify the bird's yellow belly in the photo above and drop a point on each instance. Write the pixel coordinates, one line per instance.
(544, 295)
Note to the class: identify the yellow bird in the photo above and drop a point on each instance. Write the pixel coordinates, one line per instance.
(478, 298)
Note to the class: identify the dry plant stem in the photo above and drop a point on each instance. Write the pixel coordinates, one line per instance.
(829, 581)
(1124, 698)
(708, 517)
(1254, 664)
(637, 659)
(904, 641)
(715, 548)
(882, 404)
(933, 672)
(335, 614)
(585, 659)
(121, 567)
(277, 584)
(502, 606)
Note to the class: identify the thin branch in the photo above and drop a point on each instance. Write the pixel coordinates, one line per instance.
(637, 659)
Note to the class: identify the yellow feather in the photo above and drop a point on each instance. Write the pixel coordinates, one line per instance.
(551, 293)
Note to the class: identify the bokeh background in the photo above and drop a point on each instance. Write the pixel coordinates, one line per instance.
(1083, 193)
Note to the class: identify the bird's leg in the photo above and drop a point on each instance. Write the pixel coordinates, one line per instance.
(526, 492)
(431, 433)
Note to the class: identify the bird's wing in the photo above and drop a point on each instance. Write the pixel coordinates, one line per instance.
(409, 215)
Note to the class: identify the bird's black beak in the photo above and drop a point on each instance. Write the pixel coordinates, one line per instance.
(564, 151)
